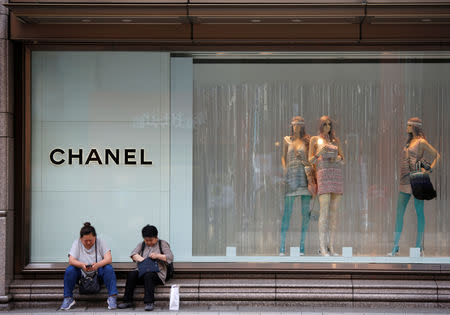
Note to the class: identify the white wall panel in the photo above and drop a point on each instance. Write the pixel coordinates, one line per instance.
(101, 135)
(181, 158)
(100, 100)
(118, 218)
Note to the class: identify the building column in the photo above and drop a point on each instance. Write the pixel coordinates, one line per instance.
(6, 162)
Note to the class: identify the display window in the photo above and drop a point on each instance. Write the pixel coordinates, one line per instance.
(356, 128)
(243, 158)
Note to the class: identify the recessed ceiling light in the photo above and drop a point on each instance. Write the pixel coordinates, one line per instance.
(86, 20)
(127, 20)
(255, 21)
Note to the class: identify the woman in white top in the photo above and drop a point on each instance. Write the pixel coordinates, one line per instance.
(89, 254)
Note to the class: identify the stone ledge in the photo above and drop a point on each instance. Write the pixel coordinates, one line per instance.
(4, 299)
(395, 291)
(52, 290)
(302, 292)
(443, 289)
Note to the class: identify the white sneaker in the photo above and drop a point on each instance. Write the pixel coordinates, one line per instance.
(67, 303)
(112, 302)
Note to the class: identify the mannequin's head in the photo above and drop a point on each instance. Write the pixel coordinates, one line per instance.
(414, 129)
(298, 130)
(297, 127)
(414, 126)
(326, 128)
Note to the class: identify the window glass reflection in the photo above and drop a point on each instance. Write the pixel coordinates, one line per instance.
(248, 193)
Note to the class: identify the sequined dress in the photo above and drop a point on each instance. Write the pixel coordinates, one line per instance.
(296, 182)
(329, 172)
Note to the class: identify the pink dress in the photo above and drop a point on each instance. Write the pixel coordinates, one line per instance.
(329, 173)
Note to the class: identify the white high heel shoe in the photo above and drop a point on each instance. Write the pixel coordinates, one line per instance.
(332, 252)
(394, 251)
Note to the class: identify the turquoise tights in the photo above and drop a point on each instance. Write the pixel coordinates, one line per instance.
(403, 200)
(288, 205)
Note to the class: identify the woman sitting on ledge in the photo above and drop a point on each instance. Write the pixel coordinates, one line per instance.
(83, 260)
(152, 248)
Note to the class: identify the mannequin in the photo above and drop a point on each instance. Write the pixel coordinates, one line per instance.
(326, 153)
(413, 151)
(294, 161)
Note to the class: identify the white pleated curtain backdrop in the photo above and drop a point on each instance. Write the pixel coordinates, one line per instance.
(242, 117)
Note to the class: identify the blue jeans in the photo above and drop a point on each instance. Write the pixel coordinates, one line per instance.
(105, 273)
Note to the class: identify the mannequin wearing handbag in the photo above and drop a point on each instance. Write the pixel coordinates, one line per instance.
(416, 147)
(296, 169)
(325, 151)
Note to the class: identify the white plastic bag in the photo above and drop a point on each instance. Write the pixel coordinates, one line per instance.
(174, 298)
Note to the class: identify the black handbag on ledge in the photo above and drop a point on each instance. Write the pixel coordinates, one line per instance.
(421, 185)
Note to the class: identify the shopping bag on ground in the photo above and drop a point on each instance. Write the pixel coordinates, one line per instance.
(174, 304)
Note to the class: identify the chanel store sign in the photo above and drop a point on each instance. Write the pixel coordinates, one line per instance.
(60, 156)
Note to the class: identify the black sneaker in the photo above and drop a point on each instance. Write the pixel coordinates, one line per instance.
(149, 307)
(125, 305)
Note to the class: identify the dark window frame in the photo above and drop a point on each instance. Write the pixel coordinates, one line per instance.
(22, 190)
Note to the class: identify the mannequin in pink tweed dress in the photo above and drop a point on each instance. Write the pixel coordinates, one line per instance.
(326, 153)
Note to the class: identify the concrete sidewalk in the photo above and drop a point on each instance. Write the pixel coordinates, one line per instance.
(235, 311)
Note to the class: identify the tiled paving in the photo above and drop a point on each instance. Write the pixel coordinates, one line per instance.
(214, 310)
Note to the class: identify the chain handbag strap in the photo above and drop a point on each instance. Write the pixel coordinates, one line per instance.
(418, 166)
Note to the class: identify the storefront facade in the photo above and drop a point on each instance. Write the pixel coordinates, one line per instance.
(178, 114)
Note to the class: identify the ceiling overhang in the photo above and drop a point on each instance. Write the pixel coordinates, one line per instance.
(233, 22)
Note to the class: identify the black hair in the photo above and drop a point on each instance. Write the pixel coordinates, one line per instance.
(87, 229)
(149, 231)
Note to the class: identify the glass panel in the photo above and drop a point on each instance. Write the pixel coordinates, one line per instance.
(238, 181)
(98, 101)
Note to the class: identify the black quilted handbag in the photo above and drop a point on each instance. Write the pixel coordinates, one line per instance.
(421, 185)
(90, 283)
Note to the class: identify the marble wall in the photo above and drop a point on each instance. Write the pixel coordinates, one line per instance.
(6, 160)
